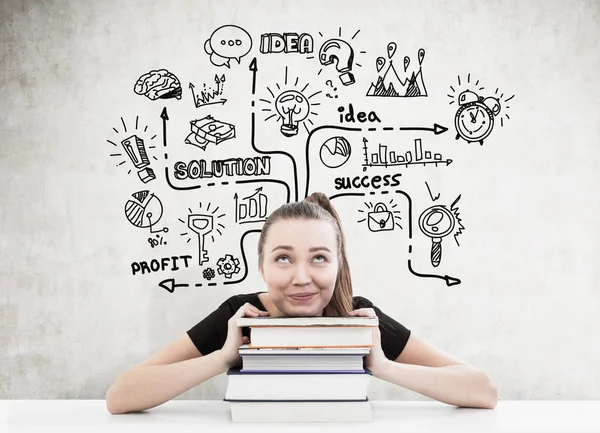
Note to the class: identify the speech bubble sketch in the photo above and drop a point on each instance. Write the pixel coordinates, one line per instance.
(476, 114)
(226, 43)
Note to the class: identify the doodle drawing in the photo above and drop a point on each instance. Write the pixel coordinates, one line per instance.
(158, 84)
(203, 224)
(228, 266)
(380, 218)
(390, 84)
(209, 96)
(136, 151)
(251, 209)
(384, 157)
(335, 152)
(476, 115)
(292, 106)
(144, 211)
(341, 53)
(209, 130)
(226, 43)
(437, 222)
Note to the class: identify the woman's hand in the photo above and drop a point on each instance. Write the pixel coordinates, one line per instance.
(229, 351)
(376, 358)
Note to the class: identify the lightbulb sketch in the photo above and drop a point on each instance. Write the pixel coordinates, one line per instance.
(144, 211)
(476, 114)
(437, 222)
(380, 217)
(136, 150)
(292, 107)
(202, 224)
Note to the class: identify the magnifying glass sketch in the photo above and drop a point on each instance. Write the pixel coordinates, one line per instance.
(436, 222)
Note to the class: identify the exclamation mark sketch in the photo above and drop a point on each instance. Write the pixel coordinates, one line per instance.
(135, 148)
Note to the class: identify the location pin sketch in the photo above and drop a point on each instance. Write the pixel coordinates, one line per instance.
(391, 49)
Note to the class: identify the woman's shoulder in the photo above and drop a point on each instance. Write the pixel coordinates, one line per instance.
(236, 301)
(361, 302)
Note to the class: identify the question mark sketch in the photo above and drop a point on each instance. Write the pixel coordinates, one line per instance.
(340, 52)
(329, 83)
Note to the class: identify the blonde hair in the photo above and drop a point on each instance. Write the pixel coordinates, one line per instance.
(317, 206)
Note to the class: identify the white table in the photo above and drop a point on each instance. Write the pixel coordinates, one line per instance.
(389, 416)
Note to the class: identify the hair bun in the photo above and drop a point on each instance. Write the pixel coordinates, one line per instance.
(320, 199)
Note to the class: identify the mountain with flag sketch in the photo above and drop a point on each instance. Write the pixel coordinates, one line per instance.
(390, 84)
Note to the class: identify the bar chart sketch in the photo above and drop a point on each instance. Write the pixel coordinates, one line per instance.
(383, 157)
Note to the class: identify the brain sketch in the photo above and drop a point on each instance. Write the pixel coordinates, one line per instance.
(158, 84)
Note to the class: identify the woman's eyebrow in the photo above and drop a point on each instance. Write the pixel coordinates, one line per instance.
(290, 248)
(319, 249)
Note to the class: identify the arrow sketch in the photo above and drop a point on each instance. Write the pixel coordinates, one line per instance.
(209, 96)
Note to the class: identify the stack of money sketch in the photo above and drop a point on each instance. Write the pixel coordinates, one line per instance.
(209, 130)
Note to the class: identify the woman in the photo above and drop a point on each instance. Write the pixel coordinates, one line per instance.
(302, 259)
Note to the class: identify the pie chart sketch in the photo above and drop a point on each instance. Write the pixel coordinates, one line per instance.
(335, 152)
(144, 210)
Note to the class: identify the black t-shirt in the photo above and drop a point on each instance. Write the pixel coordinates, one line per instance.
(210, 333)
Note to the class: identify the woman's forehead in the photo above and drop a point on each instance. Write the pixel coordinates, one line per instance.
(302, 232)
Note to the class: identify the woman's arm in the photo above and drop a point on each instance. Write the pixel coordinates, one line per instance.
(457, 384)
(429, 371)
(177, 368)
(159, 379)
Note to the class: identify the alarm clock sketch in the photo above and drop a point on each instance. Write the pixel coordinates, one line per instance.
(474, 120)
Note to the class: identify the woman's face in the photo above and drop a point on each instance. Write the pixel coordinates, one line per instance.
(300, 265)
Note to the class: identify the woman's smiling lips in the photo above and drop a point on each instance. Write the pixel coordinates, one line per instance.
(302, 296)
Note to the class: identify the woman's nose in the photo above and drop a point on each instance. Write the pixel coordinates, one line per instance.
(301, 275)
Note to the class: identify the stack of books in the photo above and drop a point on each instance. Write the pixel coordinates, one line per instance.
(302, 369)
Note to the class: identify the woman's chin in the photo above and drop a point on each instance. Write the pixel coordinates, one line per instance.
(304, 311)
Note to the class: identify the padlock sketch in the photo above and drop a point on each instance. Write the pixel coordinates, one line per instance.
(381, 218)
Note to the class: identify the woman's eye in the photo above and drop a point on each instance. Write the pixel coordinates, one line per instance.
(320, 258)
(278, 259)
